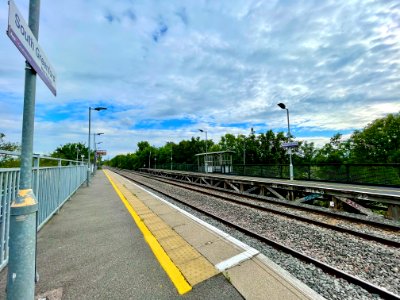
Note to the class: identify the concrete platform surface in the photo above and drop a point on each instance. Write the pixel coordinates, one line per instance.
(251, 273)
(93, 250)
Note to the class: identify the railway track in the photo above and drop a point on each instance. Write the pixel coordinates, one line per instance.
(327, 223)
(372, 288)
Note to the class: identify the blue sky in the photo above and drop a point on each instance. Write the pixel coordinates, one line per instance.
(166, 68)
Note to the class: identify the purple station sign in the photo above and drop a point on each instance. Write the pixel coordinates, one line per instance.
(21, 35)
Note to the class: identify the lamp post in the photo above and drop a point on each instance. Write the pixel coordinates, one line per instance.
(95, 154)
(244, 150)
(206, 158)
(90, 112)
(149, 158)
(283, 106)
(171, 156)
(95, 149)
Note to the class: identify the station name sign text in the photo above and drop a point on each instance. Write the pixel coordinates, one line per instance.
(23, 38)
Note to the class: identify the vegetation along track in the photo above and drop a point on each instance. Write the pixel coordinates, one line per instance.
(368, 264)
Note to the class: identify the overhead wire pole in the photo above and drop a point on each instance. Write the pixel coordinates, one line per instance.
(23, 210)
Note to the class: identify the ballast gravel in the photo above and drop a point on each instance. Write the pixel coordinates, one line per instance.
(370, 261)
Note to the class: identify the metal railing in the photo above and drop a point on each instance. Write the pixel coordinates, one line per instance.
(369, 174)
(52, 186)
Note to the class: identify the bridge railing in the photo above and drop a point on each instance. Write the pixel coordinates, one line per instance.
(52, 186)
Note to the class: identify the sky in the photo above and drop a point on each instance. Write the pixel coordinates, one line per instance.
(165, 69)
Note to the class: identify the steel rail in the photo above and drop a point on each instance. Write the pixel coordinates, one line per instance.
(356, 233)
(276, 201)
(325, 267)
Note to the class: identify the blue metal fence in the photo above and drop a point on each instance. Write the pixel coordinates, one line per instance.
(51, 185)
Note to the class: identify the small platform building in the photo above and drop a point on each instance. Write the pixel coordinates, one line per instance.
(215, 162)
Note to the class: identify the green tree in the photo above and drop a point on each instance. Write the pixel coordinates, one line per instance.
(12, 147)
(165, 152)
(336, 151)
(307, 152)
(378, 142)
(8, 161)
(252, 148)
(72, 151)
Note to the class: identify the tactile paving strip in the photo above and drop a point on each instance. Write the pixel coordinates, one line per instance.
(194, 267)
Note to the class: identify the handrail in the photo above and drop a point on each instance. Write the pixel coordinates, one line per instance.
(52, 186)
(35, 155)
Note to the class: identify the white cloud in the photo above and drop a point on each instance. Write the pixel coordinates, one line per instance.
(335, 64)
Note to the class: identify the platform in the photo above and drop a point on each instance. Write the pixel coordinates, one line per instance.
(115, 240)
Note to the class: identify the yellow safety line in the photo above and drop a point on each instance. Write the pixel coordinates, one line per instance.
(169, 267)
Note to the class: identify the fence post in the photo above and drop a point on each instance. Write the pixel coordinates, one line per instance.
(59, 185)
(36, 165)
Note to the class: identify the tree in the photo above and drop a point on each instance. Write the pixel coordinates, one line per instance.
(252, 148)
(72, 151)
(307, 152)
(378, 142)
(8, 161)
(12, 147)
(336, 151)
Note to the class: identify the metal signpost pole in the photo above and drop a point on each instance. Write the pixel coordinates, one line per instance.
(22, 242)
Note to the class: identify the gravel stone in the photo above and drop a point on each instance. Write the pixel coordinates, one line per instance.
(370, 261)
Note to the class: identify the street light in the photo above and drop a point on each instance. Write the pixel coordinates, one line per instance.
(283, 106)
(95, 154)
(171, 156)
(149, 158)
(95, 149)
(90, 113)
(206, 158)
